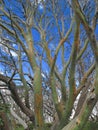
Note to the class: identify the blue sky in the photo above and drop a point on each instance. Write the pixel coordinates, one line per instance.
(64, 14)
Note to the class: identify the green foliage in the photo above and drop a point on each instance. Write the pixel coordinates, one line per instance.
(91, 126)
(30, 126)
(48, 126)
(4, 108)
(19, 127)
(1, 122)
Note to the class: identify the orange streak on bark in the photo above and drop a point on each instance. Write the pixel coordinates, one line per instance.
(38, 110)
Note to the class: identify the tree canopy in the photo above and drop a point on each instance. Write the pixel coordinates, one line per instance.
(49, 62)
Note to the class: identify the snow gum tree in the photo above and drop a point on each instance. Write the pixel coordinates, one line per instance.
(54, 40)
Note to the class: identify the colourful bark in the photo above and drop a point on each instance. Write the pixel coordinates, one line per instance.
(38, 100)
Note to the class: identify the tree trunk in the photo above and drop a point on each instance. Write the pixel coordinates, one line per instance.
(5, 125)
(38, 100)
